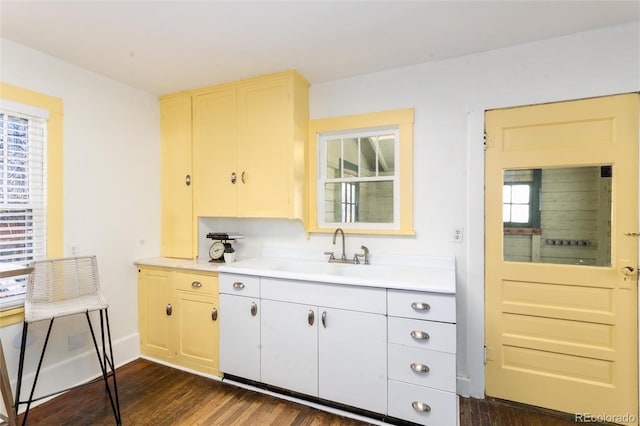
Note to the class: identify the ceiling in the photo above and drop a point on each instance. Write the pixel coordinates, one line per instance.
(167, 46)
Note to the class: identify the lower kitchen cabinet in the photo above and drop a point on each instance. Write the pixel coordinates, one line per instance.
(315, 339)
(178, 317)
(241, 339)
(289, 351)
(353, 358)
(155, 299)
(334, 354)
(240, 313)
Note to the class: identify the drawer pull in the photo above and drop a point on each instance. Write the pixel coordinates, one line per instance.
(311, 317)
(254, 309)
(421, 406)
(214, 314)
(420, 306)
(419, 368)
(238, 285)
(324, 319)
(196, 284)
(420, 335)
(169, 309)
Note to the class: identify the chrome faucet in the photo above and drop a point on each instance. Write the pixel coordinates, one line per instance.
(343, 258)
(335, 234)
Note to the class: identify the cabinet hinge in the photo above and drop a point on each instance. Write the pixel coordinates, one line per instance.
(484, 356)
(484, 146)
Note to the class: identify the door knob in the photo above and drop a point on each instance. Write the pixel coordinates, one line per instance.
(628, 270)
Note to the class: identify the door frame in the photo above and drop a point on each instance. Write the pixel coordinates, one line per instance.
(474, 385)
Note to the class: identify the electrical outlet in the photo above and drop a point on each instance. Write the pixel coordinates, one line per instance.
(456, 235)
(73, 249)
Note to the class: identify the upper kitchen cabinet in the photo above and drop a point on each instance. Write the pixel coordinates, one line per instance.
(177, 225)
(249, 142)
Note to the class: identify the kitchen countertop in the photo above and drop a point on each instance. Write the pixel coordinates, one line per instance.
(411, 273)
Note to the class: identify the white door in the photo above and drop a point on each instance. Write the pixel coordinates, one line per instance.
(290, 346)
(353, 358)
(240, 336)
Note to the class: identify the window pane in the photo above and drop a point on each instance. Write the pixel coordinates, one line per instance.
(506, 195)
(520, 194)
(368, 157)
(386, 155)
(370, 202)
(351, 154)
(334, 153)
(575, 217)
(519, 213)
(506, 212)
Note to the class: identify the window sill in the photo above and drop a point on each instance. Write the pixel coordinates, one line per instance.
(522, 231)
(11, 316)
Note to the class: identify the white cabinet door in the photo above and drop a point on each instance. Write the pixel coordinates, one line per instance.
(240, 336)
(353, 358)
(290, 346)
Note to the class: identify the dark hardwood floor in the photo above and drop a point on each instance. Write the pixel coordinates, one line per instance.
(154, 394)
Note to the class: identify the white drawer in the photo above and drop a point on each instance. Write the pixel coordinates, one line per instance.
(354, 298)
(443, 406)
(405, 365)
(241, 285)
(421, 305)
(438, 336)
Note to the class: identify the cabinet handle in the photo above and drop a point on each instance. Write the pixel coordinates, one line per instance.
(254, 309)
(196, 284)
(238, 285)
(242, 177)
(187, 180)
(169, 309)
(420, 306)
(214, 314)
(324, 319)
(421, 406)
(419, 368)
(311, 317)
(420, 335)
(234, 177)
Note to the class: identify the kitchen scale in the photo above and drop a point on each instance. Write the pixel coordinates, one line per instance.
(221, 245)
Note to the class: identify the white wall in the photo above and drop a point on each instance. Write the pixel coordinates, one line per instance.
(111, 198)
(449, 98)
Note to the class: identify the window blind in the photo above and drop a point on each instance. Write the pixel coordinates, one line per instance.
(22, 197)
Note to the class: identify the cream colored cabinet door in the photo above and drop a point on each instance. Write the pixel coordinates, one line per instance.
(215, 153)
(155, 306)
(176, 215)
(266, 148)
(197, 331)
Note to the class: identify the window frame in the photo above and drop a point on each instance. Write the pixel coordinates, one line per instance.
(54, 228)
(323, 179)
(402, 119)
(534, 202)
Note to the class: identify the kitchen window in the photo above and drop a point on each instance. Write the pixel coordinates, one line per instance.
(22, 197)
(361, 173)
(30, 186)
